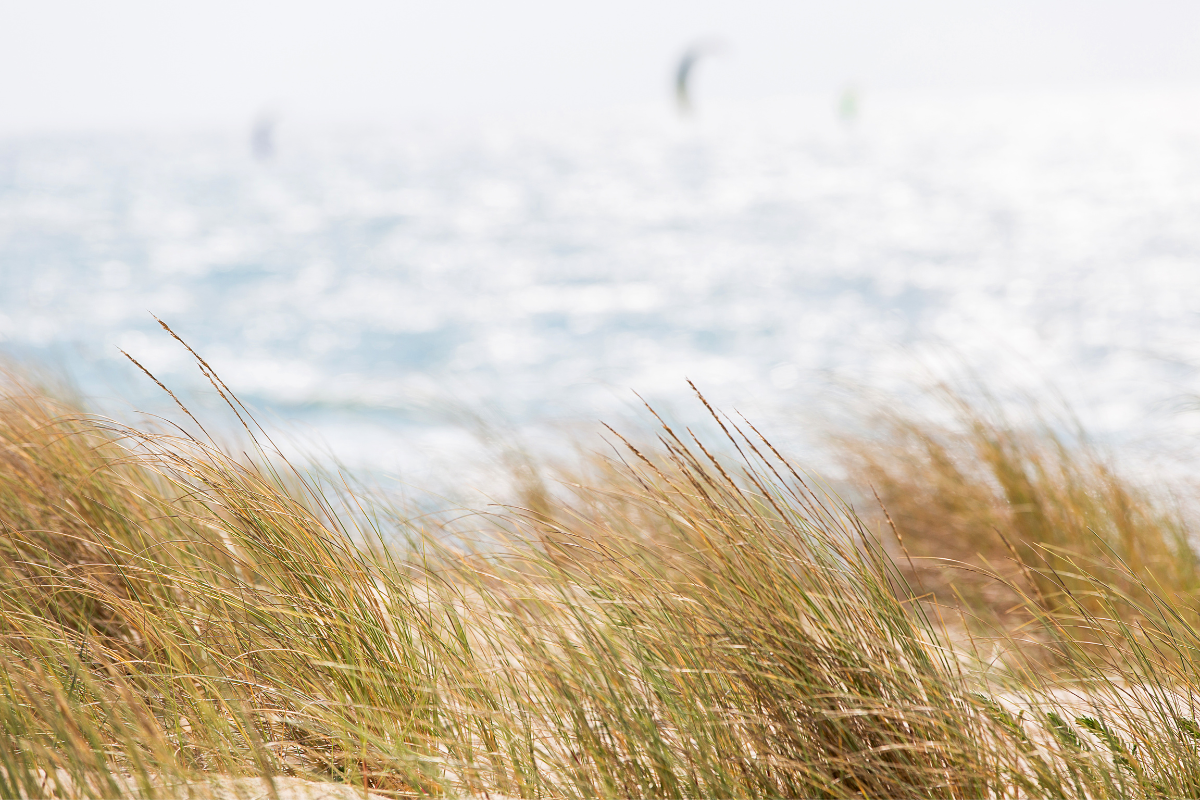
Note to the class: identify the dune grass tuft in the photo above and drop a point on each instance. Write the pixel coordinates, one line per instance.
(1039, 503)
(681, 618)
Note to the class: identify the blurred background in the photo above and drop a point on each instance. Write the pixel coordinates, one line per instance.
(389, 225)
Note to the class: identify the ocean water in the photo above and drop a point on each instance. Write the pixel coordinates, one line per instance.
(387, 292)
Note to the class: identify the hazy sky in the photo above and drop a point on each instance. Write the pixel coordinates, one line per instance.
(80, 64)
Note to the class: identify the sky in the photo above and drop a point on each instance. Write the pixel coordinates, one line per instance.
(69, 65)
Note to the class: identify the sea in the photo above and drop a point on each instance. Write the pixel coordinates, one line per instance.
(413, 298)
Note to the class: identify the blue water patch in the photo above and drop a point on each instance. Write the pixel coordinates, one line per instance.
(544, 270)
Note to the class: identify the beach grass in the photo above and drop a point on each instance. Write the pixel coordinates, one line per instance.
(980, 494)
(680, 618)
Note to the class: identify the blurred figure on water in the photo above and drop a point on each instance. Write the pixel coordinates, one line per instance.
(262, 136)
(848, 104)
(683, 73)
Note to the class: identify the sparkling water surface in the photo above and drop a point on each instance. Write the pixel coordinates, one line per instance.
(383, 292)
